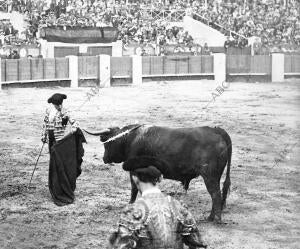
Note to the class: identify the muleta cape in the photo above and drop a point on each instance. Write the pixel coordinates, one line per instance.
(65, 166)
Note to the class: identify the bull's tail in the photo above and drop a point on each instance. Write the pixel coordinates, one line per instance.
(227, 182)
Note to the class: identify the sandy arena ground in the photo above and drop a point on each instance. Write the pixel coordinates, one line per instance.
(263, 121)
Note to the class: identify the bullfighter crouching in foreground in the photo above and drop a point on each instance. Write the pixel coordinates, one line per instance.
(155, 220)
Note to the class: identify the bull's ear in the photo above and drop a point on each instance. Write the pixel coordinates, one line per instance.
(114, 129)
(104, 137)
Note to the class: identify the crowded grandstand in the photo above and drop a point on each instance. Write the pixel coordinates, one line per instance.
(154, 27)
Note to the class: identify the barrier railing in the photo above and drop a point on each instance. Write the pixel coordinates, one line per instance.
(162, 15)
(177, 65)
(248, 65)
(292, 64)
(88, 67)
(3, 6)
(13, 70)
(121, 67)
(133, 69)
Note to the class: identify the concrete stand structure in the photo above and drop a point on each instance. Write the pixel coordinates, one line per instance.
(220, 67)
(104, 71)
(73, 70)
(137, 70)
(277, 67)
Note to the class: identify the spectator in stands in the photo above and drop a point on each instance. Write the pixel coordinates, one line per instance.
(257, 47)
(187, 39)
(139, 50)
(272, 22)
(240, 42)
(23, 53)
(206, 50)
(2, 53)
(2, 37)
(13, 54)
(227, 44)
(261, 19)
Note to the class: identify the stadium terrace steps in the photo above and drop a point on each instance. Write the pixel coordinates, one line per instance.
(203, 33)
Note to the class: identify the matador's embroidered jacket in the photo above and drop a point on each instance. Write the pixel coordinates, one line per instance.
(157, 221)
(57, 121)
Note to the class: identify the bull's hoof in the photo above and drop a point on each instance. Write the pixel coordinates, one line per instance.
(223, 206)
(217, 220)
(210, 218)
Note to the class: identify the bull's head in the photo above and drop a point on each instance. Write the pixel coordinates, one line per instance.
(114, 150)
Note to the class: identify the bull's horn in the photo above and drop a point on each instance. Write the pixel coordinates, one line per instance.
(97, 133)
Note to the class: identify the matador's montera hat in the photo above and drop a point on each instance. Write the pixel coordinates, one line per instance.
(145, 166)
(57, 98)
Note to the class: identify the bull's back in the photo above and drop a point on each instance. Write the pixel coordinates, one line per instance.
(174, 140)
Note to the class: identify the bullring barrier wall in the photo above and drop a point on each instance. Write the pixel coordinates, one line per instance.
(34, 69)
(105, 70)
(177, 65)
(291, 65)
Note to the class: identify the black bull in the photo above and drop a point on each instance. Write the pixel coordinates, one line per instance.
(187, 152)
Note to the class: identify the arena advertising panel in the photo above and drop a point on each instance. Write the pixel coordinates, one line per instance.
(79, 35)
